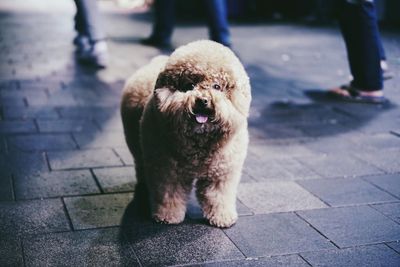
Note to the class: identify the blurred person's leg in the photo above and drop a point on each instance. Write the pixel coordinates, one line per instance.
(89, 19)
(81, 40)
(88, 25)
(79, 27)
(163, 26)
(361, 35)
(218, 21)
(359, 27)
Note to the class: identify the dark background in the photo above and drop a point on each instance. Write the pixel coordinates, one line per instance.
(312, 11)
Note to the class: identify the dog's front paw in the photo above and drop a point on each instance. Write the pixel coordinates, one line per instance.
(222, 218)
(169, 217)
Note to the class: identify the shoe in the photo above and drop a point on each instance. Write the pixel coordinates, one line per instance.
(96, 55)
(350, 94)
(154, 42)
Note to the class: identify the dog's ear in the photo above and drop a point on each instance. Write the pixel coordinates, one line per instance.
(164, 87)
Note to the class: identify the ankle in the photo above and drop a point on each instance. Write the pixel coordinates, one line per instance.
(371, 93)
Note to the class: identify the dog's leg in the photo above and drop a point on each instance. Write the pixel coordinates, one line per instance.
(169, 202)
(218, 199)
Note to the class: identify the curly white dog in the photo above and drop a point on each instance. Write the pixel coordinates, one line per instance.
(185, 120)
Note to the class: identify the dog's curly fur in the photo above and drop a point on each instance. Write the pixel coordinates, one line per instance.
(185, 120)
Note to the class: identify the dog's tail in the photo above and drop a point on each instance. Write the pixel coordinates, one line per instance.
(135, 95)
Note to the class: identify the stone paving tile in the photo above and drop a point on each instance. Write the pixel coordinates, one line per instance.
(390, 183)
(268, 197)
(27, 92)
(361, 112)
(334, 144)
(353, 226)
(103, 247)
(55, 184)
(246, 178)
(261, 170)
(66, 125)
(100, 140)
(116, 179)
(113, 124)
(275, 234)
(125, 155)
(346, 191)
(277, 261)
(282, 169)
(380, 126)
(162, 245)
(372, 256)
(97, 211)
(57, 99)
(303, 113)
(30, 113)
(10, 252)
(261, 130)
(12, 102)
(13, 127)
(93, 99)
(377, 141)
(6, 189)
(395, 246)
(322, 130)
(298, 170)
(32, 217)
(392, 210)
(92, 158)
(8, 84)
(86, 112)
(23, 163)
(41, 142)
(278, 151)
(339, 166)
(388, 163)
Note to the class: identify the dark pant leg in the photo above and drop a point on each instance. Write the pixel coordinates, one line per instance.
(381, 50)
(361, 35)
(79, 27)
(88, 18)
(218, 21)
(164, 20)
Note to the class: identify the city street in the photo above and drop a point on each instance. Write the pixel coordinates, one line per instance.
(321, 182)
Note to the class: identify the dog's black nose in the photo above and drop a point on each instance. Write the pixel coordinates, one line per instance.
(201, 102)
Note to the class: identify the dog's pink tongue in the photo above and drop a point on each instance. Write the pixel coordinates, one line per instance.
(201, 118)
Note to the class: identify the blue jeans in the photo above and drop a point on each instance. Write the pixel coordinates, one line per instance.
(359, 26)
(165, 20)
(87, 20)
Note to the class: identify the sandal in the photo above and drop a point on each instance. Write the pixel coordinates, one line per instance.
(350, 94)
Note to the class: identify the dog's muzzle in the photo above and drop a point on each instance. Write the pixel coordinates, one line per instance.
(201, 110)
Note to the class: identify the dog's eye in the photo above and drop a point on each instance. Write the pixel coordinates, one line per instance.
(216, 86)
(187, 86)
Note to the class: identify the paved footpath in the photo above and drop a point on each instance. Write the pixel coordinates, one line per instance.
(321, 184)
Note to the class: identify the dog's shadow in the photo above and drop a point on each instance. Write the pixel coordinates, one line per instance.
(138, 211)
(158, 244)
